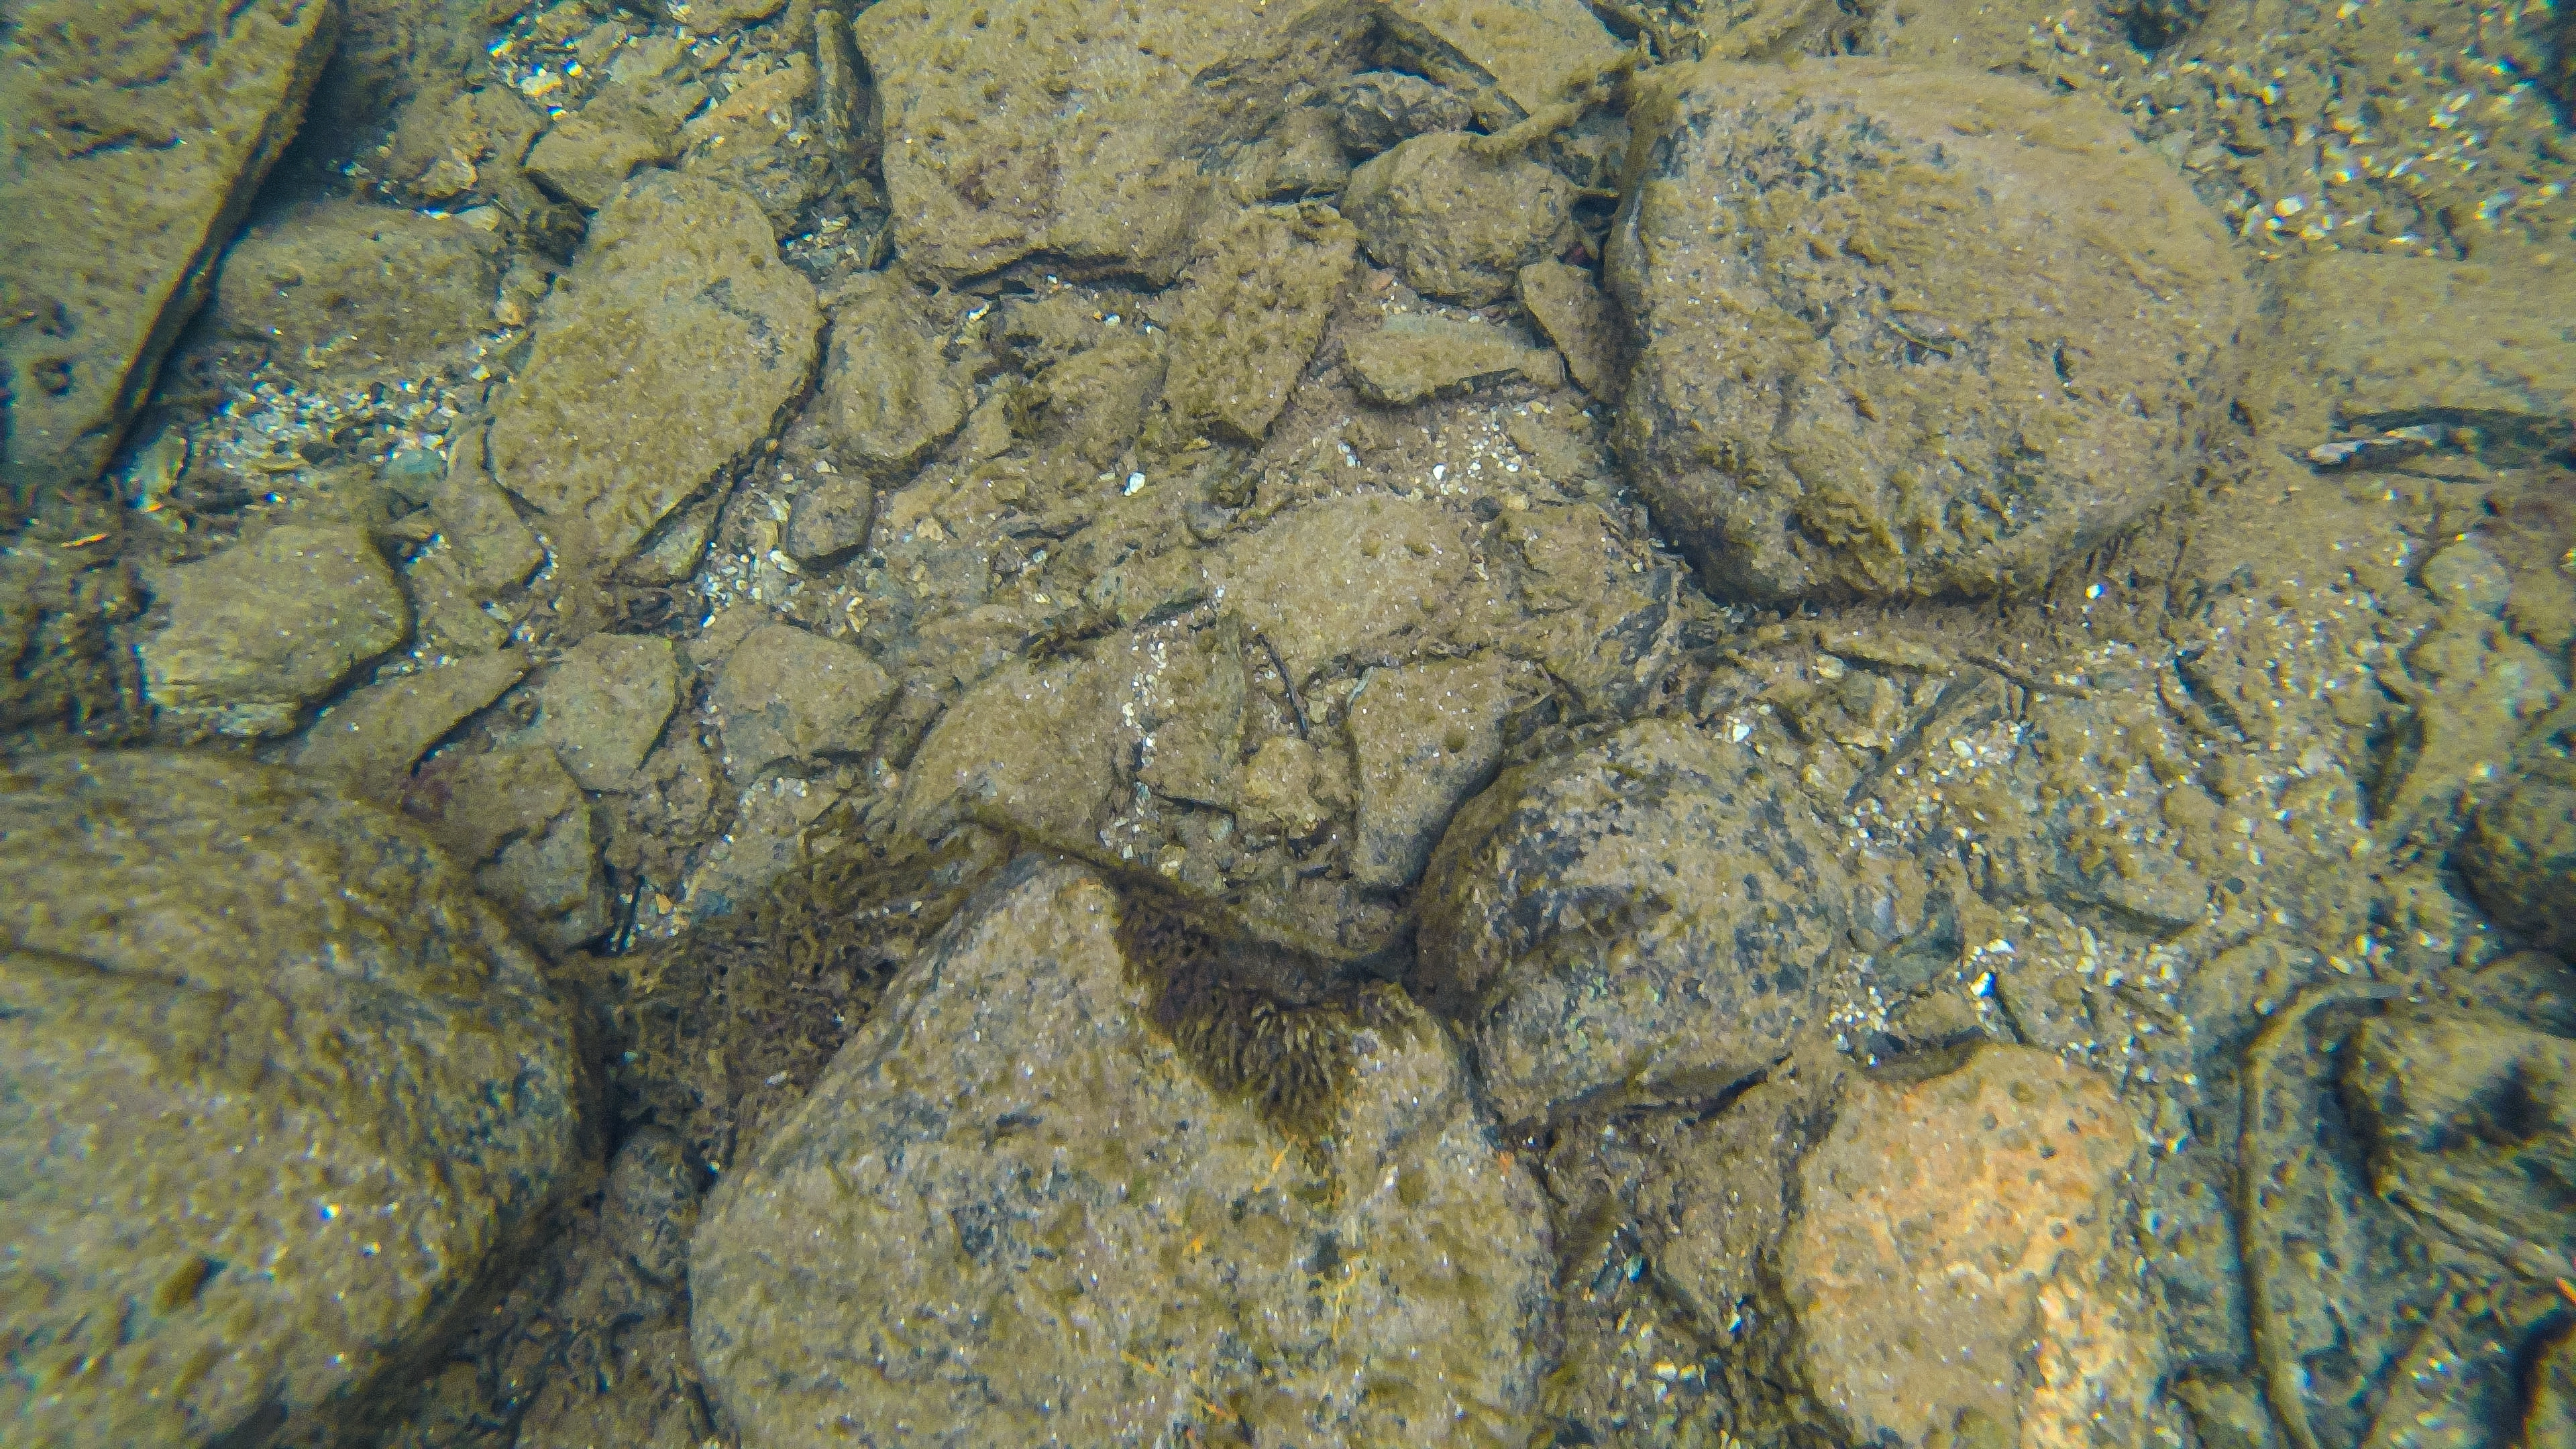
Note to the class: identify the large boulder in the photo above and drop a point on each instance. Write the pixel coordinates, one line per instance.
(279, 1086)
(1652, 918)
(1087, 129)
(1908, 332)
(139, 130)
(666, 353)
(1064, 1234)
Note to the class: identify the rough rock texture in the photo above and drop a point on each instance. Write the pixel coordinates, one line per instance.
(584, 157)
(665, 354)
(279, 1087)
(369, 740)
(1455, 223)
(267, 626)
(1374, 110)
(1568, 306)
(1415, 358)
(518, 819)
(1251, 315)
(1069, 1237)
(989, 158)
(358, 289)
(1953, 1273)
(603, 705)
(2519, 856)
(787, 696)
(888, 396)
(1511, 58)
(830, 520)
(2471, 1120)
(1713, 874)
(761, 141)
(2014, 341)
(2407, 339)
(1423, 739)
(139, 130)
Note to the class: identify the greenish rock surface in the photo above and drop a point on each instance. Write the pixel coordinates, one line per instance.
(1415, 358)
(2018, 338)
(1069, 1235)
(357, 290)
(2519, 856)
(2400, 339)
(763, 141)
(1568, 307)
(1423, 738)
(664, 355)
(985, 165)
(584, 157)
(830, 520)
(369, 740)
(602, 706)
(1252, 311)
(788, 697)
(888, 394)
(1456, 223)
(1375, 109)
(1711, 869)
(139, 130)
(262, 629)
(1512, 58)
(517, 818)
(281, 1087)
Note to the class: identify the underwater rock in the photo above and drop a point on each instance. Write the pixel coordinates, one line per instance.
(1952, 1269)
(2411, 339)
(1510, 58)
(1414, 358)
(662, 356)
(888, 395)
(369, 740)
(1652, 918)
(359, 290)
(1458, 224)
(762, 141)
(140, 129)
(281, 1087)
(1375, 109)
(830, 519)
(603, 705)
(520, 821)
(1947, 368)
(1423, 738)
(985, 163)
(267, 626)
(1568, 306)
(2519, 857)
(1251, 313)
(787, 696)
(1068, 1233)
(584, 157)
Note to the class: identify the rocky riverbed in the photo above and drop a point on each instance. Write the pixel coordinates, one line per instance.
(1288, 722)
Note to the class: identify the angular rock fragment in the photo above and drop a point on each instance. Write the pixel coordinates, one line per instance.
(522, 824)
(1013, 1130)
(1414, 358)
(2519, 857)
(830, 519)
(1652, 918)
(1455, 223)
(2040, 339)
(660, 358)
(369, 741)
(986, 163)
(267, 626)
(760, 141)
(1953, 1272)
(888, 395)
(1423, 738)
(2410, 339)
(1569, 308)
(139, 130)
(584, 157)
(357, 289)
(1251, 314)
(603, 705)
(280, 1086)
(1511, 59)
(787, 696)
(1374, 110)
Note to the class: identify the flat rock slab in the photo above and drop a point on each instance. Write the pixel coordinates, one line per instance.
(262, 629)
(1509, 57)
(369, 740)
(280, 1084)
(1709, 869)
(139, 130)
(1084, 129)
(1252, 314)
(354, 290)
(663, 355)
(604, 704)
(1969, 332)
(1066, 1236)
(1414, 358)
(787, 696)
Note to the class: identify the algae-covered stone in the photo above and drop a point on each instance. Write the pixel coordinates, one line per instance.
(2519, 856)
(1353, 579)
(1457, 223)
(1251, 314)
(1954, 1274)
(1084, 129)
(1424, 738)
(787, 696)
(267, 626)
(1569, 308)
(280, 1085)
(1969, 332)
(1066, 1234)
(138, 132)
(1651, 918)
(888, 394)
(584, 157)
(830, 519)
(604, 704)
(1374, 110)
(522, 824)
(661, 357)
(369, 741)
(1415, 358)
(1512, 58)
(760, 140)
(358, 289)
